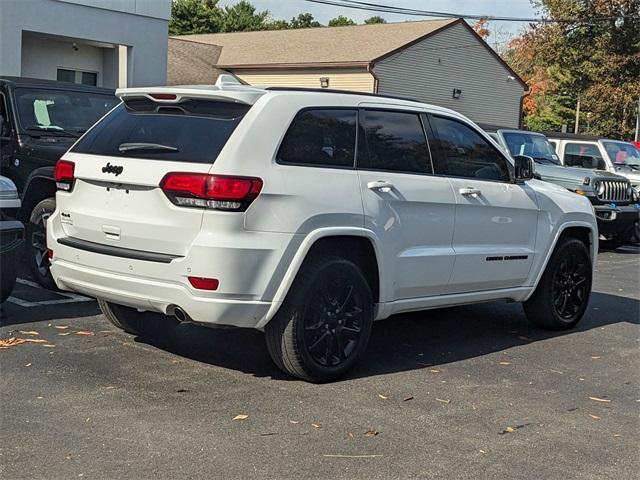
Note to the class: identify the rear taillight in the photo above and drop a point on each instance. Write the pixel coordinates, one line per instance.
(216, 192)
(63, 174)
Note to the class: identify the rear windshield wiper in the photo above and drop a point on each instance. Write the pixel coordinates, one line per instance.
(53, 129)
(128, 147)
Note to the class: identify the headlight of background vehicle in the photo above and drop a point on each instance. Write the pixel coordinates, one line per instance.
(598, 187)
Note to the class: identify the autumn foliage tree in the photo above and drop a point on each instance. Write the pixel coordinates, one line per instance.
(593, 54)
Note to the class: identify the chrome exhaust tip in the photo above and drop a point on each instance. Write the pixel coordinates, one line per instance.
(180, 315)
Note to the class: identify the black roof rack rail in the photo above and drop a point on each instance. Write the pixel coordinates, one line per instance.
(348, 92)
(567, 135)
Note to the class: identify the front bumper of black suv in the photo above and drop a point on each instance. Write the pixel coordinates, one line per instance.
(614, 219)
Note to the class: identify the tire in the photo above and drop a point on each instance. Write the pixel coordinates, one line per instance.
(324, 324)
(36, 243)
(8, 271)
(562, 295)
(137, 323)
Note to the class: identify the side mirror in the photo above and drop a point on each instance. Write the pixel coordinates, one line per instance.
(524, 167)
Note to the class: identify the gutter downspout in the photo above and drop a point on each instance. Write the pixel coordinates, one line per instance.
(376, 81)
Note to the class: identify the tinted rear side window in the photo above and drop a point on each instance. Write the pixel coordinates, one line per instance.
(321, 137)
(395, 141)
(192, 131)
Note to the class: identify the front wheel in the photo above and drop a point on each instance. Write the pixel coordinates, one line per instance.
(36, 244)
(562, 294)
(324, 325)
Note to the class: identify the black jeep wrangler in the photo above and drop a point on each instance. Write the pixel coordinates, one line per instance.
(39, 121)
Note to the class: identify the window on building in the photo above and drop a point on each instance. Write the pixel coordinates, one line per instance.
(321, 137)
(395, 141)
(76, 76)
(465, 153)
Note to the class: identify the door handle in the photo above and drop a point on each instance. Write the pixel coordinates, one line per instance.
(380, 185)
(474, 192)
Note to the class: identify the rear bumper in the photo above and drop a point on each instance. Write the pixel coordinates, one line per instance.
(248, 265)
(156, 296)
(615, 220)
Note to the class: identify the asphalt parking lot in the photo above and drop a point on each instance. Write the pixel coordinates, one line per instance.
(467, 392)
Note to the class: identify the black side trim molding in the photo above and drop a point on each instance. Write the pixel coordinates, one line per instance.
(117, 251)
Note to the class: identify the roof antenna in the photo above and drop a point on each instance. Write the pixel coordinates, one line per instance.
(225, 80)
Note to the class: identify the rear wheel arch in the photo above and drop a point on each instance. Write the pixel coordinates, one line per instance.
(355, 244)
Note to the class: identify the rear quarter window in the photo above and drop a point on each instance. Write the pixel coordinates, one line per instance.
(320, 137)
(191, 131)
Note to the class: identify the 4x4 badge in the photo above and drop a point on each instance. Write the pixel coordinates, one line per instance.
(115, 169)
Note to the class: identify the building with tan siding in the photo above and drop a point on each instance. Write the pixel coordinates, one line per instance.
(443, 62)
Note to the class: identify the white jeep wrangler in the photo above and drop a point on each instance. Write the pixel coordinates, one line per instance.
(308, 214)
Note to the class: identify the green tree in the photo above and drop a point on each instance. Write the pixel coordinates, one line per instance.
(375, 19)
(242, 17)
(304, 20)
(341, 21)
(194, 16)
(584, 58)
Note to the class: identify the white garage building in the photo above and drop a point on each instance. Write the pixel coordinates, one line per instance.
(107, 43)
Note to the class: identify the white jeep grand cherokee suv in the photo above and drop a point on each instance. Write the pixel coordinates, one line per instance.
(308, 214)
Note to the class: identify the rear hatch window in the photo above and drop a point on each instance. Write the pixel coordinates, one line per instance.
(190, 131)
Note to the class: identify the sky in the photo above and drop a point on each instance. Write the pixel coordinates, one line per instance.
(286, 9)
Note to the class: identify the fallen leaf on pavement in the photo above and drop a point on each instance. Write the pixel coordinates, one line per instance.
(28, 365)
(371, 433)
(595, 417)
(595, 358)
(557, 371)
(29, 332)
(513, 429)
(504, 363)
(241, 417)
(434, 370)
(617, 435)
(353, 456)
(443, 401)
(407, 399)
(48, 345)
(315, 425)
(39, 398)
(61, 327)
(109, 387)
(64, 334)
(382, 396)
(83, 333)
(294, 421)
(603, 400)
(482, 451)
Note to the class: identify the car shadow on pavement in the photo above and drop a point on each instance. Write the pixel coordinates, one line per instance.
(404, 342)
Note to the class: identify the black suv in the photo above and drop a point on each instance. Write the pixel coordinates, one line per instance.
(39, 121)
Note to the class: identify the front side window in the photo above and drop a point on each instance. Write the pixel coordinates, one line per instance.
(583, 155)
(465, 153)
(623, 154)
(395, 141)
(320, 137)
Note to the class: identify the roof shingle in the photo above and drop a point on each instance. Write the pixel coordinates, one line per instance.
(350, 44)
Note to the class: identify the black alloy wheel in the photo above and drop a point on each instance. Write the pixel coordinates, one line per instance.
(332, 322)
(570, 288)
